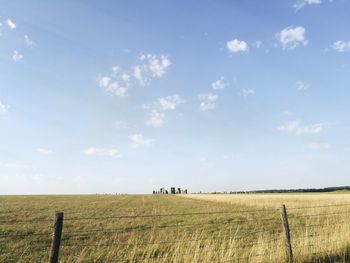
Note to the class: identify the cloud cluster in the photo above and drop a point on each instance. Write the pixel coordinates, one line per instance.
(149, 67)
(16, 55)
(294, 127)
(237, 46)
(292, 37)
(95, 151)
(156, 115)
(207, 101)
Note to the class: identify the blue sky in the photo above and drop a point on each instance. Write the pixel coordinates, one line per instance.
(130, 96)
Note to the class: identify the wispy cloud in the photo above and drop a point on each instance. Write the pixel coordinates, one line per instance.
(207, 101)
(299, 4)
(10, 24)
(295, 127)
(138, 139)
(44, 151)
(3, 108)
(292, 37)
(301, 86)
(156, 115)
(319, 146)
(247, 92)
(219, 84)
(237, 46)
(28, 41)
(16, 57)
(95, 151)
(155, 119)
(258, 44)
(170, 102)
(341, 46)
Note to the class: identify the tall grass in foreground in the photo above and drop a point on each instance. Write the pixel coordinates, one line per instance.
(94, 233)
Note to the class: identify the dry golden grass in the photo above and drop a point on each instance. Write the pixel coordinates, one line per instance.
(232, 236)
(319, 222)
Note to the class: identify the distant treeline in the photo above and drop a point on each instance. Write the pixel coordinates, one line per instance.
(305, 190)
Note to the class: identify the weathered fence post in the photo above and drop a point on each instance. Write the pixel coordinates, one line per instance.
(56, 237)
(285, 224)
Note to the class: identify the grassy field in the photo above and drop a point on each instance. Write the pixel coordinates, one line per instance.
(188, 228)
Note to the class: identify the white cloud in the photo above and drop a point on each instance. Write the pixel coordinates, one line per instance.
(218, 84)
(158, 65)
(10, 23)
(155, 119)
(104, 82)
(111, 152)
(3, 108)
(121, 125)
(149, 67)
(138, 75)
(294, 127)
(301, 3)
(17, 56)
(207, 101)
(341, 46)
(319, 146)
(301, 86)
(137, 139)
(156, 116)
(125, 77)
(236, 46)
(258, 44)
(44, 151)
(115, 88)
(118, 90)
(247, 92)
(170, 102)
(292, 37)
(28, 41)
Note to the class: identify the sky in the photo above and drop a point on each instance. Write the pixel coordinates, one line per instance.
(130, 96)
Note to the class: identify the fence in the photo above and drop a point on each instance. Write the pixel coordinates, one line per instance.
(262, 229)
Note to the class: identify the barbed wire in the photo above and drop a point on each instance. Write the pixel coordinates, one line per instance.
(232, 238)
(24, 234)
(292, 216)
(159, 227)
(33, 220)
(323, 224)
(319, 206)
(323, 241)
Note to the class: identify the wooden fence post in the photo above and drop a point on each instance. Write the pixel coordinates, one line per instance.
(285, 224)
(56, 237)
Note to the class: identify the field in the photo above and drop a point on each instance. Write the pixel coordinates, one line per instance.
(166, 228)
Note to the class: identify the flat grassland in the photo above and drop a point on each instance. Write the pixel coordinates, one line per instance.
(166, 228)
